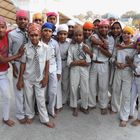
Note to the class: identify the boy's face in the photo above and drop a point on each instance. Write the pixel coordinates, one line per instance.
(87, 32)
(78, 37)
(103, 29)
(126, 36)
(62, 35)
(34, 37)
(116, 29)
(38, 21)
(52, 19)
(47, 33)
(22, 22)
(3, 29)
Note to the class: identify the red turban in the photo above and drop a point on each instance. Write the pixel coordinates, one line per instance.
(22, 13)
(51, 14)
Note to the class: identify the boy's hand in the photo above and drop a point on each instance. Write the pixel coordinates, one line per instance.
(20, 51)
(20, 84)
(15, 71)
(58, 76)
(1, 59)
(44, 82)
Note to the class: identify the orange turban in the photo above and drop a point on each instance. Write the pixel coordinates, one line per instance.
(128, 29)
(37, 16)
(88, 25)
(34, 27)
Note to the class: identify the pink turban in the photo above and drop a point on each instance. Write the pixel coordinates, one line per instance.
(34, 27)
(51, 14)
(2, 20)
(104, 22)
(22, 13)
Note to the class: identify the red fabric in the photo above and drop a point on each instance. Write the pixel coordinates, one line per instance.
(22, 13)
(4, 49)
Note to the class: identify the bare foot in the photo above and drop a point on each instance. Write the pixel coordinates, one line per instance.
(29, 121)
(131, 117)
(49, 124)
(112, 112)
(104, 111)
(136, 122)
(53, 115)
(123, 123)
(9, 122)
(75, 112)
(22, 121)
(59, 110)
(85, 111)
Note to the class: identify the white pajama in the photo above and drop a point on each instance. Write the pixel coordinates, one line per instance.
(40, 98)
(19, 97)
(5, 92)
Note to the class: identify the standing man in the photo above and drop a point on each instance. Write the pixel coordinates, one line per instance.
(17, 39)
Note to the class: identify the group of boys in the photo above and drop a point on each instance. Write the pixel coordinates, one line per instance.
(63, 65)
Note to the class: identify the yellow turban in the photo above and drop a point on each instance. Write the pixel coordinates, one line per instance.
(128, 29)
(37, 16)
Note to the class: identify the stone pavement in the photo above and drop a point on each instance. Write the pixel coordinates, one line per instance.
(85, 127)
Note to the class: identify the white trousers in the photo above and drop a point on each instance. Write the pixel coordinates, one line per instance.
(120, 100)
(99, 75)
(5, 92)
(33, 90)
(52, 92)
(133, 97)
(79, 76)
(59, 95)
(19, 97)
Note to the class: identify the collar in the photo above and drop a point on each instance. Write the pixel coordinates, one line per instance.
(38, 46)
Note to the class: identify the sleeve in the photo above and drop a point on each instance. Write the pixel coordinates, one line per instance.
(48, 53)
(58, 59)
(137, 70)
(10, 43)
(70, 56)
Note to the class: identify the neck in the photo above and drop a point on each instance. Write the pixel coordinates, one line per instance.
(22, 29)
(46, 40)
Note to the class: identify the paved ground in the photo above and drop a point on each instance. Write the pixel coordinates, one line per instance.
(85, 127)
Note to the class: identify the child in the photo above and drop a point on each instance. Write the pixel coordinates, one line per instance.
(17, 38)
(38, 18)
(78, 61)
(135, 92)
(54, 65)
(63, 85)
(34, 75)
(4, 81)
(123, 78)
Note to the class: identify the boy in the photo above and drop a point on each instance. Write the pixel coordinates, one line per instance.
(34, 75)
(4, 81)
(17, 38)
(54, 65)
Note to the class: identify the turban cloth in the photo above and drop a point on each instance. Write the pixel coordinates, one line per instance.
(62, 27)
(37, 16)
(104, 22)
(22, 13)
(34, 27)
(48, 25)
(2, 21)
(128, 29)
(51, 14)
(88, 25)
(71, 23)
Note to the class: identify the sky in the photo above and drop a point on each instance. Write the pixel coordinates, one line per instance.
(75, 7)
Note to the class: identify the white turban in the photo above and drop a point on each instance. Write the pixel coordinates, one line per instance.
(62, 27)
(71, 23)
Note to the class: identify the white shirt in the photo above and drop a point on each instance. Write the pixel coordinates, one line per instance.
(28, 58)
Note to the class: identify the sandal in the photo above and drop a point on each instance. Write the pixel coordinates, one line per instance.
(123, 123)
(49, 124)
(136, 122)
